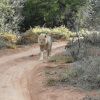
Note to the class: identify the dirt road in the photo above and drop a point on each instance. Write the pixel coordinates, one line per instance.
(15, 70)
(21, 78)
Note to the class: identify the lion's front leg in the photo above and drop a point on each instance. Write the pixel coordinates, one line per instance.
(41, 55)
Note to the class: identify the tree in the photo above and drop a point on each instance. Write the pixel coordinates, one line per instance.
(10, 15)
(89, 15)
(50, 13)
(94, 20)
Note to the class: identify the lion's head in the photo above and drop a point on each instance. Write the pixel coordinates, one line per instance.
(42, 40)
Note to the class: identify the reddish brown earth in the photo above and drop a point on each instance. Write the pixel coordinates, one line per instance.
(22, 78)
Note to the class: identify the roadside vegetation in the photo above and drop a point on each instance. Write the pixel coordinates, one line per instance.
(57, 33)
(84, 69)
(91, 98)
(11, 40)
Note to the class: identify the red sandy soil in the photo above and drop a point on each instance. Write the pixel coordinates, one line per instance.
(21, 76)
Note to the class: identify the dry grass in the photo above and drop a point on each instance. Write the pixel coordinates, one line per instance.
(91, 98)
(51, 82)
(28, 38)
(61, 58)
(9, 40)
(84, 70)
(57, 33)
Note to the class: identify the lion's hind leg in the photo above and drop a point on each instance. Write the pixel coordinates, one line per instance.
(48, 53)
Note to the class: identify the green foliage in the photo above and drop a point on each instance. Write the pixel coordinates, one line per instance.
(10, 15)
(93, 38)
(31, 36)
(51, 82)
(57, 33)
(11, 46)
(61, 58)
(83, 32)
(91, 98)
(94, 18)
(85, 74)
(61, 32)
(28, 37)
(50, 13)
(9, 40)
(63, 77)
(70, 74)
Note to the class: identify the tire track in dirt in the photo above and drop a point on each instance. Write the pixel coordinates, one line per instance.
(13, 73)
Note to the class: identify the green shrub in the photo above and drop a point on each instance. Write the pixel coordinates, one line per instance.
(51, 82)
(93, 38)
(85, 74)
(56, 33)
(79, 49)
(91, 98)
(70, 75)
(31, 35)
(11, 46)
(63, 77)
(61, 33)
(52, 59)
(38, 30)
(61, 58)
(84, 32)
(2, 44)
(9, 40)
(28, 37)
(68, 59)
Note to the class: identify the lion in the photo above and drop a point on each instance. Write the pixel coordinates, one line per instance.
(45, 43)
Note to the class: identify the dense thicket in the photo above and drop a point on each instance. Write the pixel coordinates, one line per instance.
(94, 20)
(51, 13)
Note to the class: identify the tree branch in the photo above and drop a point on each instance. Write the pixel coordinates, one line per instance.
(61, 4)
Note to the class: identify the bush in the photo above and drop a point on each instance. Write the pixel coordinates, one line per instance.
(91, 98)
(61, 58)
(61, 33)
(85, 74)
(11, 46)
(63, 77)
(84, 32)
(38, 30)
(51, 82)
(77, 52)
(9, 40)
(56, 33)
(2, 44)
(29, 37)
(93, 38)
(79, 48)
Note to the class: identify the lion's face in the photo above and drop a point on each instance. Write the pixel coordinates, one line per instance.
(42, 40)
